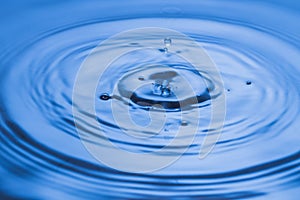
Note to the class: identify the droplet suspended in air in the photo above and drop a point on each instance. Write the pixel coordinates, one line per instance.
(167, 42)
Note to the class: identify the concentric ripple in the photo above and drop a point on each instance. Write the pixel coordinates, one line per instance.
(257, 155)
(159, 87)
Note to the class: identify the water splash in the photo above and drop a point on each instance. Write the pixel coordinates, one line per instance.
(167, 43)
(257, 155)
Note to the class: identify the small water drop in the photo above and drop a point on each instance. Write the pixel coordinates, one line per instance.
(161, 88)
(157, 88)
(105, 97)
(248, 82)
(141, 78)
(165, 83)
(167, 42)
(166, 92)
(184, 123)
(166, 50)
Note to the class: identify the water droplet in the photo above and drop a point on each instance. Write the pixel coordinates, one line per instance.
(165, 83)
(166, 50)
(248, 82)
(162, 88)
(141, 78)
(166, 92)
(184, 123)
(157, 89)
(167, 42)
(105, 97)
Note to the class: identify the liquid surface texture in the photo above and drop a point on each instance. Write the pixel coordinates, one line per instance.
(255, 46)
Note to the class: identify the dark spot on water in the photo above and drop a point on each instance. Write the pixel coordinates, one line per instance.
(134, 44)
(248, 82)
(164, 50)
(105, 97)
(144, 103)
(184, 123)
(228, 90)
(141, 78)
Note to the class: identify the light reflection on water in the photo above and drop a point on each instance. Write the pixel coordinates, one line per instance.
(255, 46)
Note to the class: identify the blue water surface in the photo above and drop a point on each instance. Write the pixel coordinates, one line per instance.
(255, 45)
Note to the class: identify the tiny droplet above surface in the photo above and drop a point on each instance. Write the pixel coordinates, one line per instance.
(167, 42)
